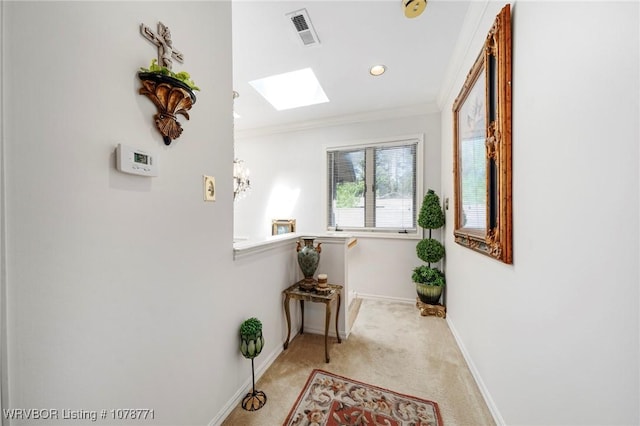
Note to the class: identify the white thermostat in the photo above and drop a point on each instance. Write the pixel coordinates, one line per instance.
(136, 161)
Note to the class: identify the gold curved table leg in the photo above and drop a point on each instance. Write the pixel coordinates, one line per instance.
(327, 319)
(288, 315)
(302, 315)
(337, 313)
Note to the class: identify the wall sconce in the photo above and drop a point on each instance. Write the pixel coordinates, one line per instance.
(241, 183)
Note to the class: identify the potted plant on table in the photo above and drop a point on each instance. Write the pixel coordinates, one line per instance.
(429, 281)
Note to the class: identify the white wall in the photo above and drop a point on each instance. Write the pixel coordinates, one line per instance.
(287, 178)
(121, 289)
(554, 338)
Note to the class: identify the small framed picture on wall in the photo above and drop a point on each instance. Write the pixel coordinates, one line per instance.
(283, 226)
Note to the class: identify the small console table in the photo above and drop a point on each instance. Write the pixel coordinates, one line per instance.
(296, 292)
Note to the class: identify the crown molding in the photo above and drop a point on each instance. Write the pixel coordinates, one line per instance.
(466, 43)
(384, 114)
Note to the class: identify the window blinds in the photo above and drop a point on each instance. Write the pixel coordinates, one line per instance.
(373, 187)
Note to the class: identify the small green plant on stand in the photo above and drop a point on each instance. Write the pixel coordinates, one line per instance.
(251, 336)
(429, 281)
(251, 345)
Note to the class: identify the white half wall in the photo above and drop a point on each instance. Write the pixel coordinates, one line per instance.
(554, 338)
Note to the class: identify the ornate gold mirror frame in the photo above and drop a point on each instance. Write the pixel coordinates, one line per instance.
(482, 148)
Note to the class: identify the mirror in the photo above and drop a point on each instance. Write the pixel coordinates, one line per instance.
(482, 148)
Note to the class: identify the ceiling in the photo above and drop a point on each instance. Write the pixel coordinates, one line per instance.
(354, 35)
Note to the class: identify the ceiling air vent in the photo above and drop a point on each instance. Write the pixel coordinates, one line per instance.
(303, 27)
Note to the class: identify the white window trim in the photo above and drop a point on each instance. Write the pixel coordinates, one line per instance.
(382, 142)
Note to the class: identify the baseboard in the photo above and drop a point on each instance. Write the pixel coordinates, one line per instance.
(497, 417)
(320, 331)
(386, 298)
(246, 387)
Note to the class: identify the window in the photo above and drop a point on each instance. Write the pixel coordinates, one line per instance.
(373, 187)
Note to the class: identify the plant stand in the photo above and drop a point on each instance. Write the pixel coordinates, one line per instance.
(426, 309)
(254, 400)
(171, 97)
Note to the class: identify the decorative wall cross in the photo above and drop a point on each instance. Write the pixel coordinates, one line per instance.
(162, 40)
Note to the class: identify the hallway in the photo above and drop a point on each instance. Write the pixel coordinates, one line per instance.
(390, 346)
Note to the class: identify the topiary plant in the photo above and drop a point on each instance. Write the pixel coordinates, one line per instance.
(431, 215)
(429, 250)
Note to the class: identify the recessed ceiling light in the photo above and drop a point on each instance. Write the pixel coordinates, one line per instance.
(291, 90)
(377, 70)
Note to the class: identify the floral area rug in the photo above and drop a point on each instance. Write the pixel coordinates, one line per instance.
(331, 400)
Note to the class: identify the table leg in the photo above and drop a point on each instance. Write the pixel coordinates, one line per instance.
(302, 314)
(337, 313)
(288, 315)
(326, 329)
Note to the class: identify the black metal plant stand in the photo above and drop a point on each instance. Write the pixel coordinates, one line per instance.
(254, 400)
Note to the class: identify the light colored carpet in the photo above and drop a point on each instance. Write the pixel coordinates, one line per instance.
(390, 346)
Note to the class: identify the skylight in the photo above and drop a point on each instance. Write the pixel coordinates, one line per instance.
(291, 90)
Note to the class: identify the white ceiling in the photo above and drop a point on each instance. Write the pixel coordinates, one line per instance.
(354, 35)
